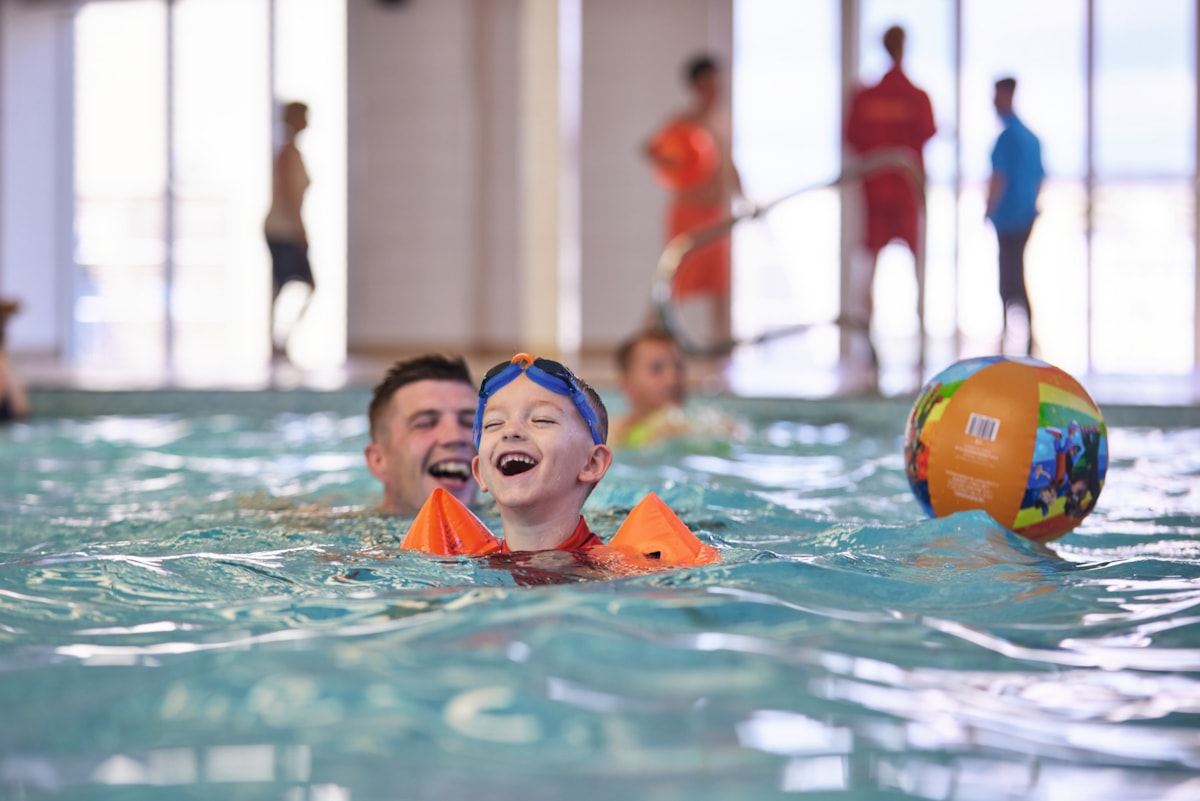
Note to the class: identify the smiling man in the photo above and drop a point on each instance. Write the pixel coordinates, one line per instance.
(421, 417)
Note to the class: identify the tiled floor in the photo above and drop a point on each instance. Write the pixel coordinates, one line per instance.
(775, 370)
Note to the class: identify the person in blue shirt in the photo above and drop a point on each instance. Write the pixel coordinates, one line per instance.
(1016, 180)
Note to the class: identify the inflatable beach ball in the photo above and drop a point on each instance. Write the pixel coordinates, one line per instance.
(688, 155)
(1015, 437)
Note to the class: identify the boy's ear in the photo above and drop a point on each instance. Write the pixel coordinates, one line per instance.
(475, 472)
(599, 460)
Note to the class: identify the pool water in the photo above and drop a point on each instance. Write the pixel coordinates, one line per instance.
(197, 600)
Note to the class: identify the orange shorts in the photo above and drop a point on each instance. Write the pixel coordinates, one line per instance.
(705, 270)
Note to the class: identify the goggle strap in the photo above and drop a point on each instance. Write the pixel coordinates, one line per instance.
(575, 393)
(542, 378)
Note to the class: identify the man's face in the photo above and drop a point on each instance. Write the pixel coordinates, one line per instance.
(1002, 99)
(655, 376)
(425, 443)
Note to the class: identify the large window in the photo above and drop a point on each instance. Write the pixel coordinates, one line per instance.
(121, 267)
(220, 127)
(786, 105)
(1143, 271)
(1110, 266)
(174, 121)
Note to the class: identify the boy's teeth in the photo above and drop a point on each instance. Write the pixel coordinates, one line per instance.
(507, 460)
(515, 463)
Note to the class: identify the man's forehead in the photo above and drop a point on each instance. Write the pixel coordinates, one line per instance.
(434, 395)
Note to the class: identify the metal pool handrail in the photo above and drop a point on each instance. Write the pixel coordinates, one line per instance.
(682, 244)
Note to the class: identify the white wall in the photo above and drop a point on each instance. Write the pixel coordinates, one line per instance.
(34, 242)
(431, 146)
(434, 195)
(434, 180)
(633, 57)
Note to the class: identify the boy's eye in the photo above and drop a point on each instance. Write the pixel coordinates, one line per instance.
(489, 425)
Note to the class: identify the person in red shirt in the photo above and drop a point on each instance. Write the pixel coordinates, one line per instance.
(891, 118)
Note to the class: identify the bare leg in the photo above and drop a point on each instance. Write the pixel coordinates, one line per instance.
(919, 269)
(722, 319)
(280, 339)
(860, 305)
(276, 348)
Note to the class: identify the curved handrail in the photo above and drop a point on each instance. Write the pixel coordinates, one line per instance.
(682, 244)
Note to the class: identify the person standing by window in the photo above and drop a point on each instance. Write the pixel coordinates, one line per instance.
(284, 227)
(891, 117)
(1013, 190)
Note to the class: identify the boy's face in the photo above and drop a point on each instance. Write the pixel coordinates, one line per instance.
(426, 443)
(534, 447)
(655, 376)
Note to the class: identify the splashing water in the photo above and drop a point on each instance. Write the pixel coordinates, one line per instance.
(208, 601)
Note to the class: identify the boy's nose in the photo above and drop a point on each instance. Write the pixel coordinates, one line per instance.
(512, 430)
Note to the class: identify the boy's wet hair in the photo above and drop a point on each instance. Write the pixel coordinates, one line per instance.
(597, 404)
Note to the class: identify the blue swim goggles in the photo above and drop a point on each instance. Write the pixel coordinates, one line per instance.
(543, 372)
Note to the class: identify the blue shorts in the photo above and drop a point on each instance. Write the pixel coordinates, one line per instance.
(289, 262)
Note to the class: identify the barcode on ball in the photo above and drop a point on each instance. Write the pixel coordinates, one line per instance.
(983, 427)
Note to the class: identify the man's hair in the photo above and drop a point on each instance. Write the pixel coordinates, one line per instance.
(893, 41)
(624, 354)
(698, 67)
(1008, 84)
(430, 367)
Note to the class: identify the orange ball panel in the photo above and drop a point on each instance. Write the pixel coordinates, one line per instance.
(975, 461)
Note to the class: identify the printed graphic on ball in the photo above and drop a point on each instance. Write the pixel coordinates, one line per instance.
(1015, 437)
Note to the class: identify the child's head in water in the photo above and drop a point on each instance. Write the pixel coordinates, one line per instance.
(651, 371)
(540, 433)
(651, 377)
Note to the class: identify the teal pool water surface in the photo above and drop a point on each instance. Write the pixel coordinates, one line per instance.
(197, 601)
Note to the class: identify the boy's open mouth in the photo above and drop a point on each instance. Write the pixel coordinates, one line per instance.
(512, 464)
(451, 470)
